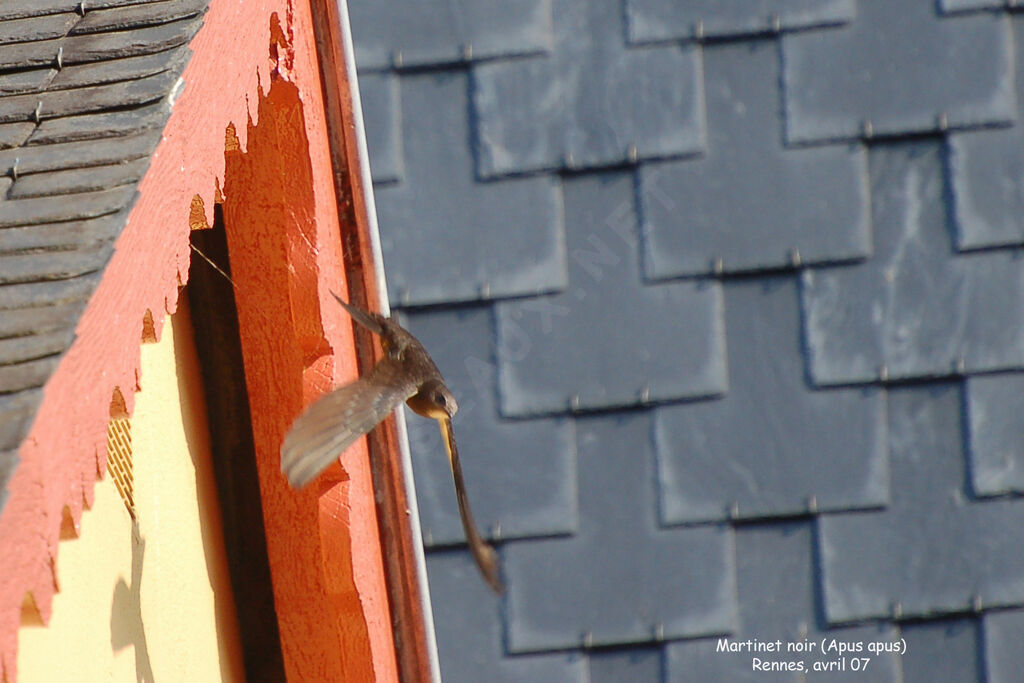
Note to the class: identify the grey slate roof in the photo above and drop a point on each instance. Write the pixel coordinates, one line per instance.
(732, 298)
(85, 90)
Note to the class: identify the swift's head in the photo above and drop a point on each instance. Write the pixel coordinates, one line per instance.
(434, 400)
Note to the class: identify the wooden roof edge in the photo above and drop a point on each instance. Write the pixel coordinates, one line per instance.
(391, 464)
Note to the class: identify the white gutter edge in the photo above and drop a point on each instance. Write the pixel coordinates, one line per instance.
(382, 294)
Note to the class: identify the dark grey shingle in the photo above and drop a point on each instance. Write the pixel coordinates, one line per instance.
(900, 67)
(935, 549)
(946, 650)
(470, 640)
(78, 154)
(627, 665)
(659, 20)
(751, 203)
(102, 124)
(32, 29)
(592, 102)
(622, 578)
(34, 347)
(383, 122)
(58, 103)
(772, 444)
(916, 308)
(779, 599)
(15, 134)
(19, 9)
(59, 236)
(987, 175)
(994, 433)
(16, 413)
(569, 351)
(19, 82)
(138, 16)
(52, 265)
(968, 5)
(521, 474)
(28, 374)
(46, 210)
(78, 180)
(114, 70)
(44, 317)
(92, 47)
(432, 32)
(447, 238)
(1003, 632)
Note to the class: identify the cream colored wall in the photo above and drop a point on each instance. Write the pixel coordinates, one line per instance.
(150, 601)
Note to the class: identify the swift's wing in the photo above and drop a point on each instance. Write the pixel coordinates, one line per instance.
(333, 422)
(368, 320)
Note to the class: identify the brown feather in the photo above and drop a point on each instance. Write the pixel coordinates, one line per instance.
(486, 558)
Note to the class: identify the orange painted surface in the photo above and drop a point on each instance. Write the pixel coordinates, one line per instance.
(279, 253)
(65, 450)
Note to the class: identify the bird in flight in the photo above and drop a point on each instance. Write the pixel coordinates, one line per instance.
(336, 420)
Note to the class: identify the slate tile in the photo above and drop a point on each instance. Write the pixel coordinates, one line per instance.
(52, 265)
(1002, 634)
(57, 236)
(15, 134)
(42, 294)
(447, 238)
(99, 46)
(50, 316)
(799, 448)
(19, 9)
(521, 475)
(36, 346)
(70, 208)
(32, 29)
(969, 5)
(987, 176)
(102, 124)
(135, 17)
(114, 45)
(20, 82)
(592, 102)
(30, 55)
(898, 68)
(935, 549)
(621, 579)
(383, 123)
(944, 650)
(995, 446)
(413, 33)
(8, 463)
(779, 599)
(27, 375)
(609, 340)
(751, 203)
(916, 308)
(78, 154)
(627, 665)
(16, 413)
(470, 643)
(661, 20)
(115, 70)
(53, 104)
(78, 180)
